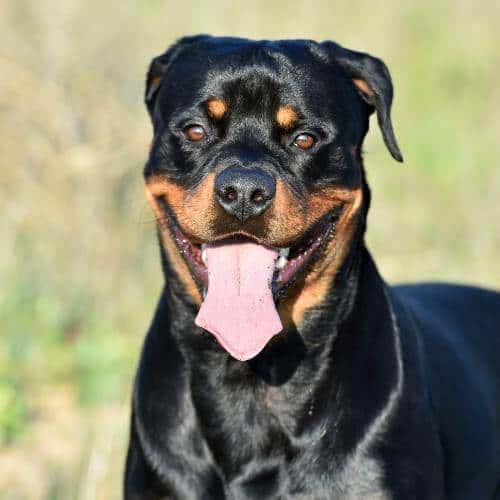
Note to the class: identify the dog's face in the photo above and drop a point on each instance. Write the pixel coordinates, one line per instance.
(259, 143)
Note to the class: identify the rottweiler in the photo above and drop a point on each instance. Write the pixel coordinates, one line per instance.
(279, 364)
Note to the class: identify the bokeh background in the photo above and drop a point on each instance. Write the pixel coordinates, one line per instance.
(79, 266)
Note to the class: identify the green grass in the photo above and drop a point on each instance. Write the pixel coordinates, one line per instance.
(79, 266)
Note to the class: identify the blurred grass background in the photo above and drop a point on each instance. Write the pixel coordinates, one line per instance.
(79, 267)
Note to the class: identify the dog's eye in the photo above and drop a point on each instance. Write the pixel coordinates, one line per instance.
(194, 132)
(304, 141)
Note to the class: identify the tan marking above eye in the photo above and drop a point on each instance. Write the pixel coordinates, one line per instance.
(216, 108)
(194, 132)
(286, 117)
(304, 141)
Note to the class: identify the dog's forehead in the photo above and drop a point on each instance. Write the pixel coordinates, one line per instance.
(282, 67)
(242, 52)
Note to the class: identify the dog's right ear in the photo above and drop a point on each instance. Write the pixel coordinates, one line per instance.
(159, 66)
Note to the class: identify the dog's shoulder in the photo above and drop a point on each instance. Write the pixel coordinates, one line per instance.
(457, 332)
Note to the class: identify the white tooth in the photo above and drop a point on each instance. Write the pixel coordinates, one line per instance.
(281, 262)
(284, 252)
(204, 253)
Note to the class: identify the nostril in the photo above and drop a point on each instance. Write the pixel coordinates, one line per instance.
(257, 196)
(229, 194)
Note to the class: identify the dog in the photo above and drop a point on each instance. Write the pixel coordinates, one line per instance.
(279, 364)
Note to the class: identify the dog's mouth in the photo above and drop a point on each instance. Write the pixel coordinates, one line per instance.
(242, 280)
(290, 264)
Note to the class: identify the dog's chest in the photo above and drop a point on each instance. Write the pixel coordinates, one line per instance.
(303, 480)
(267, 451)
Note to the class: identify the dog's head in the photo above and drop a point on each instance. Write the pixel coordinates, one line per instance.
(255, 174)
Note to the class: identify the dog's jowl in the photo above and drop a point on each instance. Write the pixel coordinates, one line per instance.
(279, 364)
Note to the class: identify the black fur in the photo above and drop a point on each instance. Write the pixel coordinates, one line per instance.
(380, 393)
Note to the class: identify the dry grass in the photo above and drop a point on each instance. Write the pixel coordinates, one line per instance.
(78, 262)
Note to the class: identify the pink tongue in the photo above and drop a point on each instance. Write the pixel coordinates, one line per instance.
(239, 307)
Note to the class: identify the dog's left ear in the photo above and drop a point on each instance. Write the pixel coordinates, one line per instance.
(373, 81)
(159, 66)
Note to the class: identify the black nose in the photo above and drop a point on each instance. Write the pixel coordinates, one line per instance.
(244, 192)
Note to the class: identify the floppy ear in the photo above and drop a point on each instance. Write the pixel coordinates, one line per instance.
(159, 66)
(372, 79)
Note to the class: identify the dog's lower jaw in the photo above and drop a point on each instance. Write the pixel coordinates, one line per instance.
(301, 309)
